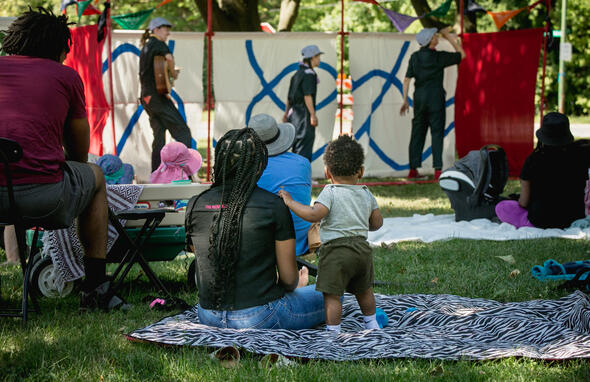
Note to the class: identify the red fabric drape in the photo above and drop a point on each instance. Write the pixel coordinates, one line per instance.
(495, 96)
(85, 58)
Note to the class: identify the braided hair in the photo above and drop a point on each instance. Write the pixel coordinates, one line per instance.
(240, 160)
(38, 34)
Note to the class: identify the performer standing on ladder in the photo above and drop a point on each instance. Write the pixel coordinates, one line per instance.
(427, 66)
(300, 108)
(160, 108)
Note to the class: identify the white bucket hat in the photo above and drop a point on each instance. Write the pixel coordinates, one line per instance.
(278, 137)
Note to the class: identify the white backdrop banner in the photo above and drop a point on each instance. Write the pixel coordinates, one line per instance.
(378, 64)
(252, 72)
(133, 134)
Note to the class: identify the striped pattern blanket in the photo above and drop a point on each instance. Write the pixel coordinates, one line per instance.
(443, 327)
(65, 248)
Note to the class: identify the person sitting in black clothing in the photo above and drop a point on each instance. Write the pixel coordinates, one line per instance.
(552, 179)
(244, 244)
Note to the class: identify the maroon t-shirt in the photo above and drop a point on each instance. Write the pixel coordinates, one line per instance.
(37, 97)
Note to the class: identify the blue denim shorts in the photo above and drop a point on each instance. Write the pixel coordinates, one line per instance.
(301, 309)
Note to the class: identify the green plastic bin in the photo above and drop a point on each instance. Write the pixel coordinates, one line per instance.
(164, 244)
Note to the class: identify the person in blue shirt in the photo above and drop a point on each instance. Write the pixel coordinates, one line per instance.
(285, 170)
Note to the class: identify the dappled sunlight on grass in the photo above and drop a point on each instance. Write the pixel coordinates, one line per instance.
(63, 344)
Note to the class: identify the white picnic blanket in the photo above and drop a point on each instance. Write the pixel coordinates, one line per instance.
(429, 228)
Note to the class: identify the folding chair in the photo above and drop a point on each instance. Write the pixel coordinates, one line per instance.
(11, 152)
(133, 249)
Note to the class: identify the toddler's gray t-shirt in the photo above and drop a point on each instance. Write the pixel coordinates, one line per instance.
(350, 208)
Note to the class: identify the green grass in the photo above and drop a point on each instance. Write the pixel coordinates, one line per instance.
(63, 344)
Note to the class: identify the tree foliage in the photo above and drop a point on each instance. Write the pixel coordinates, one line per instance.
(324, 15)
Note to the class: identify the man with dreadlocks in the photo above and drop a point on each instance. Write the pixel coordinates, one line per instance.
(244, 245)
(43, 109)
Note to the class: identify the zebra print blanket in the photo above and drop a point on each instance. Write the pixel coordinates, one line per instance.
(420, 326)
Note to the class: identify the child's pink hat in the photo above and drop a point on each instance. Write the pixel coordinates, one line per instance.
(178, 163)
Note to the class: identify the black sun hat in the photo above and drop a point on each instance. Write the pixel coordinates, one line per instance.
(555, 130)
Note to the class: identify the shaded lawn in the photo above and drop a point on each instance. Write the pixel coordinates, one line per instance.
(63, 344)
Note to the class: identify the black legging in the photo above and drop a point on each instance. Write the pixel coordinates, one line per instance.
(164, 116)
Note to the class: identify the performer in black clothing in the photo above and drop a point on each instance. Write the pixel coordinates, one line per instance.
(160, 108)
(300, 108)
(427, 66)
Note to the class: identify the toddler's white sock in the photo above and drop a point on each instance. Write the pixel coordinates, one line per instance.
(333, 328)
(371, 322)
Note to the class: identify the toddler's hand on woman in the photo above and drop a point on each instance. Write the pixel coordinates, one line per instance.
(285, 196)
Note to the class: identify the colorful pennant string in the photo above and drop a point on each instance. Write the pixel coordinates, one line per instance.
(401, 22)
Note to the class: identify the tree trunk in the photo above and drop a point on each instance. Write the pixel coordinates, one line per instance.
(232, 15)
(288, 15)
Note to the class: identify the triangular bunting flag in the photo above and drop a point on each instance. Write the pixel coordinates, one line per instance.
(91, 10)
(501, 18)
(133, 20)
(401, 22)
(102, 22)
(65, 4)
(368, 1)
(472, 7)
(82, 5)
(440, 11)
(163, 3)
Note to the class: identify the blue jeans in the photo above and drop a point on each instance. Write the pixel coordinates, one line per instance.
(301, 309)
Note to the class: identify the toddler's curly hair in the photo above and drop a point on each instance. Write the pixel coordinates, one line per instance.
(344, 156)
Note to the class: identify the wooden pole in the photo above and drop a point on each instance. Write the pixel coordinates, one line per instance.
(462, 11)
(209, 35)
(548, 6)
(110, 59)
(341, 105)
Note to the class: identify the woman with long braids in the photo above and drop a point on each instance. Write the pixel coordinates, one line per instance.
(244, 244)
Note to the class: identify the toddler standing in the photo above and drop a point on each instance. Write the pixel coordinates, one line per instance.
(347, 212)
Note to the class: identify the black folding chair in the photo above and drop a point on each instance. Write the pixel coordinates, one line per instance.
(133, 249)
(11, 152)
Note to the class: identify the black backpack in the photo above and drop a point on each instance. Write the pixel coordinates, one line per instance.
(475, 182)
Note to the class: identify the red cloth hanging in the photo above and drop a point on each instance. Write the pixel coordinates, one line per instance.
(495, 96)
(85, 58)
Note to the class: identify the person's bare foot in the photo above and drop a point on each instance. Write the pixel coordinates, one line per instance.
(303, 277)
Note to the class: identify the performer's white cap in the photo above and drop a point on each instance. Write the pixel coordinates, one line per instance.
(159, 22)
(425, 36)
(311, 51)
